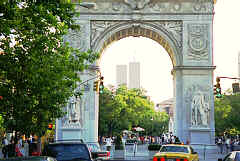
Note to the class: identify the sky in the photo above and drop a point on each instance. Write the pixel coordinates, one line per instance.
(155, 63)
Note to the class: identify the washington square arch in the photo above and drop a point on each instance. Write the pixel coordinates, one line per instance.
(182, 27)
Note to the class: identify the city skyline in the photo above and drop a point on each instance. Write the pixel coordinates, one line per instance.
(128, 75)
(121, 75)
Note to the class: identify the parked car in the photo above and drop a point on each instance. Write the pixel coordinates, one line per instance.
(68, 151)
(176, 152)
(231, 156)
(97, 152)
(31, 158)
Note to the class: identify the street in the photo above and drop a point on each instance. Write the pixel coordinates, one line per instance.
(141, 153)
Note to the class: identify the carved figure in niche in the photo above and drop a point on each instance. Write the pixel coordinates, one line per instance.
(137, 4)
(73, 112)
(200, 110)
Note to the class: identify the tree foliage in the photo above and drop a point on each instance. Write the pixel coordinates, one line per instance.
(123, 109)
(227, 112)
(38, 70)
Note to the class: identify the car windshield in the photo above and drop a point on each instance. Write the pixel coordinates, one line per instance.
(238, 156)
(68, 151)
(181, 149)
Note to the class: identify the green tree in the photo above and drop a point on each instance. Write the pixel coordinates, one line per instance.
(227, 111)
(38, 70)
(122, 109)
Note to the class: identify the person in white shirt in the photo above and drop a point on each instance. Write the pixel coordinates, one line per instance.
(108, 143)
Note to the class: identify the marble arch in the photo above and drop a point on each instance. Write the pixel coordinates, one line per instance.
(183, 28)
(162, 32)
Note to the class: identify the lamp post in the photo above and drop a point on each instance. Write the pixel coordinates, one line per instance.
(152, 129)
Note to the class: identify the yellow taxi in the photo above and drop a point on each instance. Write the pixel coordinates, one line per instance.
(176, 152)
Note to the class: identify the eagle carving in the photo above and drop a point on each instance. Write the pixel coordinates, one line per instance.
(137, 4)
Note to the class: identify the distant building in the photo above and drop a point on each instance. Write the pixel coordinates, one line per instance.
(134, 75)
(121, 75)
(167, 106)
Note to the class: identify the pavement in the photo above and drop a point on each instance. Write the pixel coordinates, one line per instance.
(141, 153)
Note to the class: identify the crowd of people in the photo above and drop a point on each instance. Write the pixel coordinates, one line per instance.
(17, 147)
(226, 143)
(163, 139)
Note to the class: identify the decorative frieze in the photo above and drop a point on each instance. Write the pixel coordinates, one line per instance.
(150, 6)
(137, 4)
(198, 42)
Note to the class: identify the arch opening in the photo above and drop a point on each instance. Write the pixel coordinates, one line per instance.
(155, 65)
(166, 33)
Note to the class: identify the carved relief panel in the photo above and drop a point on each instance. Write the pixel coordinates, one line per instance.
(74, 117)
(76, 38)
(198, 42)
(197, 99)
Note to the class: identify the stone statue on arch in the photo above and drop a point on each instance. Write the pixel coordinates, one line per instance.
(200, 109)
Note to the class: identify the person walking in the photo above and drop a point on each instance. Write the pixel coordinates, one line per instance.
(108, 143)
(5, 147)
(220, 144)
(11, 148)
(228, 142)
(18, 149)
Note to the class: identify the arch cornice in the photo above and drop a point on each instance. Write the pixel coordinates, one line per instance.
(166, 33)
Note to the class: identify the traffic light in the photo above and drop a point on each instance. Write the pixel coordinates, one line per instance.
(50, 126)
(217, 88)
(101, 86)
(96, 86)
(235, 87)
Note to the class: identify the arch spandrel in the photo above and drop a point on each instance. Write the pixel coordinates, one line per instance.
(167, 33)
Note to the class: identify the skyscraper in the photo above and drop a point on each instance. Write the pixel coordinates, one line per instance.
(121, 75)
(134, 75)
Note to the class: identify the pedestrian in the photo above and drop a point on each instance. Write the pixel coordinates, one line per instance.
(11, 148)
(177, 140)
(5, 151)
(18, 149)
(228, 141)
(5, 147)
(108, 143)
(231, 144)
(26, 148)
(220, 144)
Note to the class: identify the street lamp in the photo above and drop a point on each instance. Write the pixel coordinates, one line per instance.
(152, 129)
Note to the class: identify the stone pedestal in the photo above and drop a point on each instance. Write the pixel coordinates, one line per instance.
(206, 152)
